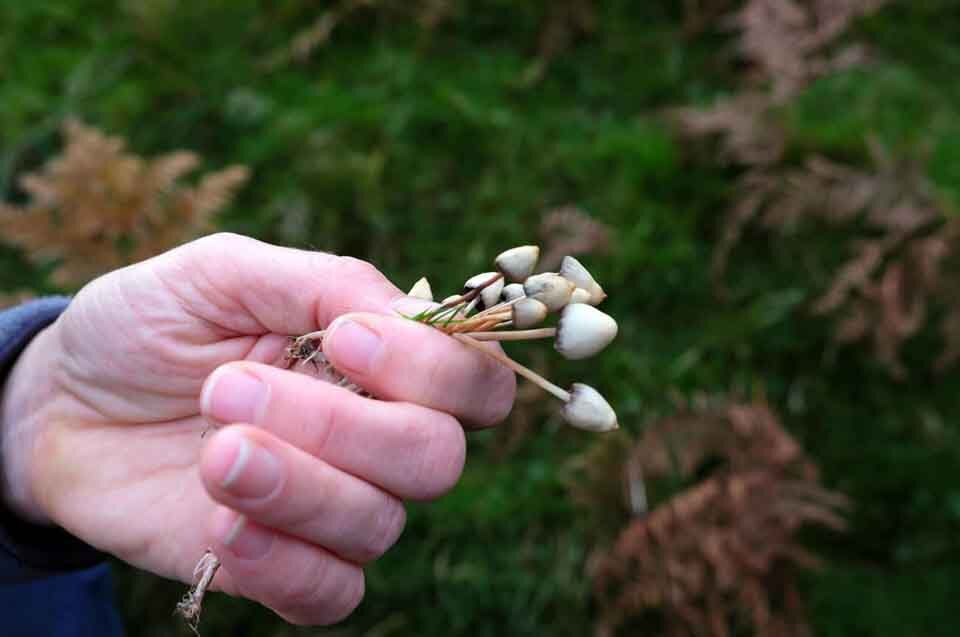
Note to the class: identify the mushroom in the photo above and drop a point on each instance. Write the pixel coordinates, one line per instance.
(587, 409)
(518, 263)
(583, 330)
(580, 296)
(421, 290)
(528, 312)
(550, 288)
(489, 295)
(512, 292)
(573, 270)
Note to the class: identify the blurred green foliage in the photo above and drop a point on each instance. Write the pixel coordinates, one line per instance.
(426, 153)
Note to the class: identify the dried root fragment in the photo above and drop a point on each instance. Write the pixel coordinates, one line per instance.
(189, 607)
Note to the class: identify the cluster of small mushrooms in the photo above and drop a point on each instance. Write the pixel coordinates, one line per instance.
(509, 305)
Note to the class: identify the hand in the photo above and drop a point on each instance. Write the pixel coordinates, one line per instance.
(303, 481)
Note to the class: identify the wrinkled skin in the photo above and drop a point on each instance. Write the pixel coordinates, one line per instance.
(300, 482)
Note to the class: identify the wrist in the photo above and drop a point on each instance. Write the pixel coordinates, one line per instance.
(24, 397)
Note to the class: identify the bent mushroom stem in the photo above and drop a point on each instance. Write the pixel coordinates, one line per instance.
(519, 369)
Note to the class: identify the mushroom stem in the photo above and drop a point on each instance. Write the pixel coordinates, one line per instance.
(517, 335)
(479, 322)
(519, 369)
(470, 306)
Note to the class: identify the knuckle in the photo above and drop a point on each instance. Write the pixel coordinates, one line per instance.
(503, 390)
(305, 518)
(314, 587)
(358, 269)
(390, 521)
(325, 595)
(223, 239)
(197, 253)
(435, 390)
(326, 416)
(442, 457)
(349, 598)
(217, 242)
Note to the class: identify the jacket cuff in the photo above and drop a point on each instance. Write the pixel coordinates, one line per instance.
(27, 550)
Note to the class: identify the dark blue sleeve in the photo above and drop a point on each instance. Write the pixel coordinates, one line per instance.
(29, 551)
(51, 583)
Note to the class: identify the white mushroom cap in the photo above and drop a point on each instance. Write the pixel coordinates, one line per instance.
(421, 290)
(583, 330)
(550, 288)
(518, 263)
(512, 291)
(490, 295)
(573, 270)
(580, 296)
(588, 410)
(527, 312)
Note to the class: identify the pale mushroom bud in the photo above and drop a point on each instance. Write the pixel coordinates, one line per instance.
(573, 270)
(421, 290)
(518, 263)
(583, 330)
(580, 296)
(451, 299)
(550, 288)
(490, 295)
(588, 410)
(512, 291)
(527, 312)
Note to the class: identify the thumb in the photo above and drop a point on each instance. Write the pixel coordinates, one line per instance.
(249, 286)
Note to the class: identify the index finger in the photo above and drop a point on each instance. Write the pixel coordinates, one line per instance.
(398, 359)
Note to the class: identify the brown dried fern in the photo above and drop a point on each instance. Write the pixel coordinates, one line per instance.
(790, 43)
(903, 243)
(569, 230)
(722, 552)
(98, 207)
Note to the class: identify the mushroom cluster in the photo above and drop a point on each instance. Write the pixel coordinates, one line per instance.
(508, 305)
(512, 303)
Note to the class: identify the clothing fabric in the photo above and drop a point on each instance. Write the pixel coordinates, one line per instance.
(51, 583)
(74, 604)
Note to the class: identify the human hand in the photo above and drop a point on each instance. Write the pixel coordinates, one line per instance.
(302, 483)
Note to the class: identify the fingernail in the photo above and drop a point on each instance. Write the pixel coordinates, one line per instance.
(253, 471)
(411, 306)
(247, 541)
(231, 395)
(352, 346)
